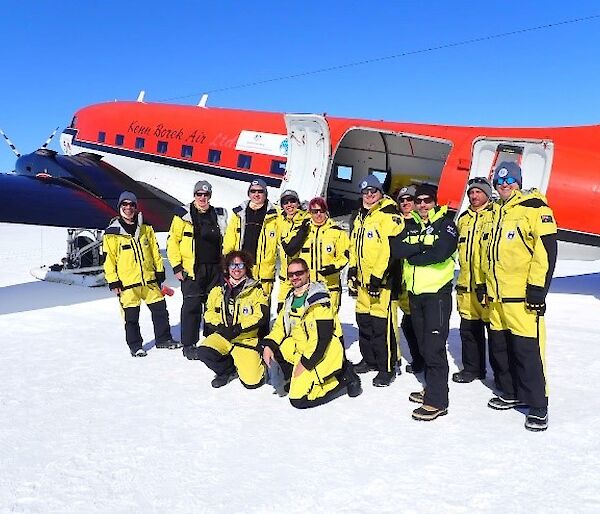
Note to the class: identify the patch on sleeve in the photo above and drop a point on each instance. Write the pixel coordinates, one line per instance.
(451, 230)
(546, 218)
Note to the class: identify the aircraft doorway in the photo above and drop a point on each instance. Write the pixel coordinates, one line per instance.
(396, 159)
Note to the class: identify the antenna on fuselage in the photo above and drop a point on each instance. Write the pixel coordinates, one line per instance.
(10, 144)
(45, 145)
(203, 100)
(140, 97)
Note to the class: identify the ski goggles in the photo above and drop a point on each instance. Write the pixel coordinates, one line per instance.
(505, 180)
(236, 265)
(477, 180)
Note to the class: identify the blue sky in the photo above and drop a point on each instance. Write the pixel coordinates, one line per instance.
(58, 57)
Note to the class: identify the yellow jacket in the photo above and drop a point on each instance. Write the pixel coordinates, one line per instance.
(286, 229)
(470, 226)
(266, 252)
(131, 261)
(250, 309)
(311, 334)
(519, 250)
(326, 250)
(369, 241)
(181, 243)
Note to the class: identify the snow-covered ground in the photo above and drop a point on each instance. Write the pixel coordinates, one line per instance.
(86, 428)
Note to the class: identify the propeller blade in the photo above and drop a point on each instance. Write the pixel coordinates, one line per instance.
(45, 145)
(10, 144)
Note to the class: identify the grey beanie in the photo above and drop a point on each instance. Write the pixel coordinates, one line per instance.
(508, 169)
(480, 183)
(127, 196)
(204, 186)
(258, 182)
(407, 191)
(290, 193)
(370, 181)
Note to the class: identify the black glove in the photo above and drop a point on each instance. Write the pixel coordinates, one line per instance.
(330, 269)
(374, 287)
(481, 293)
(352, 282)
(224, 331)
(160, 277)
(235, 331)
(535, 298)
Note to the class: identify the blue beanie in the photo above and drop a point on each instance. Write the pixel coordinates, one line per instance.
(508, 169)
(370, 181)
(259, 182)
(127, 196)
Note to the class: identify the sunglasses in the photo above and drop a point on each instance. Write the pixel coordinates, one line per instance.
(424, 199)
(477, 180)
(236, 265)
(294, 274)
(406, 199)
(369, 191)
(506, 180)
(257, 190)
(128, 204)
(288, 199)
(202, 194)
(318, 211)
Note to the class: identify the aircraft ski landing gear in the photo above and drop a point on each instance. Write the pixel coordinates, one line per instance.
(82, 264)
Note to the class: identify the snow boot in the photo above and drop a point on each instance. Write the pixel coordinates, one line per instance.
(417, 397)
(364, 367)
(223, 380)
(140, 352)
(504, 403)
(169, 344)
(466, 377)
(384, 378)
(537, 419)
(353, 384)
(410, 368)
(428, 413)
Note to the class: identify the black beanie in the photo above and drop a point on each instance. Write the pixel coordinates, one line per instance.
(426, 189)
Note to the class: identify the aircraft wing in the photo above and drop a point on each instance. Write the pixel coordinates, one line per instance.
(75, 191)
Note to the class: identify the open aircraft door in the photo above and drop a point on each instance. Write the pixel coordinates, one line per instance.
(534, 157)
(309, 155)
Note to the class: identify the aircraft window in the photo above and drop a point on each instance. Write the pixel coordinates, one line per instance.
(278, 167)
(214, 155)
(186, 151)
(139, 143)
(381, 175)
(101, 137)
(244, 161)
(119, 139)
(161, 147)
(343, 173)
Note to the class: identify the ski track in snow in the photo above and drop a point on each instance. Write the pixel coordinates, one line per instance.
(86, 428)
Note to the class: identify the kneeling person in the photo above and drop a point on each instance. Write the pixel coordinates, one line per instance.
(235, 311)
(306, 340)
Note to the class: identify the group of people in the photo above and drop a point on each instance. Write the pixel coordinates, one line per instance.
(400, 254)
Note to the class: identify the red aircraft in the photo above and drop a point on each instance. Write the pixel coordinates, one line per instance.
(160, 151)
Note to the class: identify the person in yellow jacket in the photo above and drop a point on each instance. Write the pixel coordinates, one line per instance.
(369, 279)
(324, 245)
(519, 261)
(306, 341)
(194, 249)
(235, 311)
(253, 228)
(289, 221)
(134, 271)
(427, 247)
(474, 317)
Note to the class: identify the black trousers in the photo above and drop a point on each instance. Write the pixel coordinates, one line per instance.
(411, 339)
(518, 367)
(195, 292)
(472, 336)
(160, 322)
(430, 314)
(377, 341)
